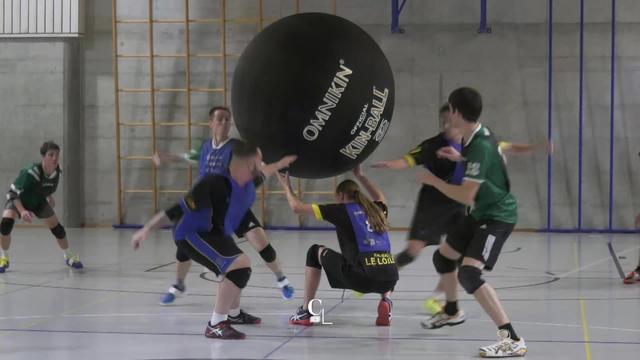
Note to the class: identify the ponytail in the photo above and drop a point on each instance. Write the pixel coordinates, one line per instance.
(375, 216)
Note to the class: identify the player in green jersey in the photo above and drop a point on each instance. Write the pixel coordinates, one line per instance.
(479, 237)
(31, 194)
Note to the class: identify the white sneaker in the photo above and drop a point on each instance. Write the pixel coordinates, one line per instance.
(505, 347)
(442, 319)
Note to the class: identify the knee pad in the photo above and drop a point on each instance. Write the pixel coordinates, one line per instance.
(442, 264)
(240, 277)
(58, 232)
(268, 254)
(470, 278)
(6, 226)
(181, 255)
(312, 257)
(404, 258)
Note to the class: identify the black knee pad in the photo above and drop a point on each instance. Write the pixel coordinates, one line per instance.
(6, 226)
(312, 257)
(268, 254)
(470, 278)
(58, 232)
(181, 255)
(240, 277)
(404, 258)
(442, 264)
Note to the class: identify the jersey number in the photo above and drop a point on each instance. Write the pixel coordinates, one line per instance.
(473, 169)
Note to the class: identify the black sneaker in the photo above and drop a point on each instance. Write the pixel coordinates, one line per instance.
(224, 331)
(301, 317)
(243, 319)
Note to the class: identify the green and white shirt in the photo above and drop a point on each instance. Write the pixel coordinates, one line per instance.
(33, 186)
(485, 165)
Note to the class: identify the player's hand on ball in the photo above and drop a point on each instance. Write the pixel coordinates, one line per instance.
(286, 161)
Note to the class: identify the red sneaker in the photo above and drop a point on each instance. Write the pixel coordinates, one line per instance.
(384, 312)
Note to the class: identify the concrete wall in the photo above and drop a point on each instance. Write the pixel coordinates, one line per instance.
(39, 97)
(439, 51)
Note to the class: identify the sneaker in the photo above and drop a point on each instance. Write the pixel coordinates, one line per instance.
(301, 317)
(286, 288)
(174, 291)
(73, 262)
(224, 331)
(505, 347)
(244, 318)
(4, 264)
(442, 319)
(432, 306)
(629, 279)
(357, 294)
(384, 312)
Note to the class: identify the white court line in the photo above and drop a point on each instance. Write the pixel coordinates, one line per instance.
(351, 315)
(608, 258)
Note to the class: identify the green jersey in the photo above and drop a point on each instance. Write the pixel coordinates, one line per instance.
(485, 165)
(33, 186)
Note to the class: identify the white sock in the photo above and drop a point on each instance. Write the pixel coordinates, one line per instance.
(217, 318)
(4, 253)
(234, 312)
(67, 253)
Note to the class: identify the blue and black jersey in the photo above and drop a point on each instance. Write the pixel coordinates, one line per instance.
(216, 204)
(359, 244)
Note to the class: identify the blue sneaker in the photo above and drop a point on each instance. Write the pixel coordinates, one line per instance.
(286, 288)
(171, 295)
(74, 262)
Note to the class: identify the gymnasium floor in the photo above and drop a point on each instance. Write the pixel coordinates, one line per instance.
(563, 294)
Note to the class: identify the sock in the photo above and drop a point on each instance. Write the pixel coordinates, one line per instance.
(217, 318)
(509, 328)
(67, 253)
(280, 276)
(234, 312)
(4, 253)
(179, 284)
(451, 308)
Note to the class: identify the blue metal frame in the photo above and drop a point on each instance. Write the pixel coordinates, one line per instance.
(549, 106)
(578, 229)
(483, 28)
(396, 9)
(580, 114)
(612, 110)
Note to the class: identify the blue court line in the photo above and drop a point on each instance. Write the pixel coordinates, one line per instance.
(318, 337)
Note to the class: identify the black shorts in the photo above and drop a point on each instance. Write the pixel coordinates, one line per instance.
(249, 222)
(345, 275)
(43, 212)
(480, 239)
(434, 216)
(214, 251)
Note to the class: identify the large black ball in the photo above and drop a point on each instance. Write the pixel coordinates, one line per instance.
(314, 85)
